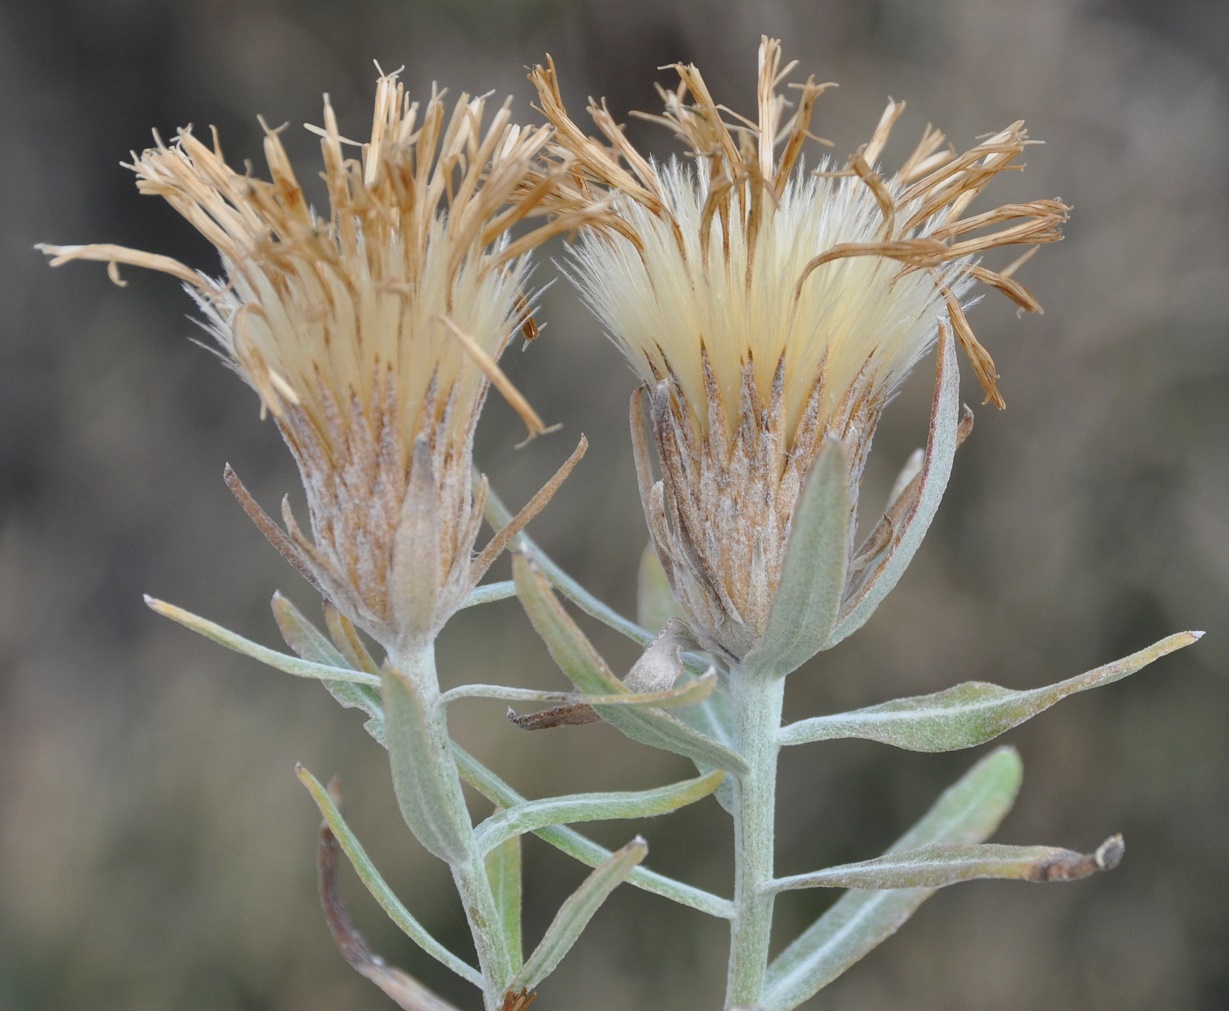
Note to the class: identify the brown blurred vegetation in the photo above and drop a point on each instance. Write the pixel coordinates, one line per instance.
(156, 851)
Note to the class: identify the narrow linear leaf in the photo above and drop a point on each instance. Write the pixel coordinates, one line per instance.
(523, 544)
(424, 776)
(936, 469)
(347, 640)
(944, 864)
(311, 644)
(499, 516)
(968, 714)
(567, 644)
(967, 812)
(535, 814)
(272, 658)
(808, 598)
(405, 991)
(685, 694)
(586, 669)
(303, 637)
(575, 845)
(714, 717)
(576, 912)
(490, 593)
(376, 885)
(706, 718)
(503, 869)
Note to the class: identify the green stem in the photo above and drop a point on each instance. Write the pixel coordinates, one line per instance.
(757, 702)
(468, 867)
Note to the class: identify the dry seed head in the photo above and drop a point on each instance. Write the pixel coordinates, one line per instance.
(371, 335)
(766, 307)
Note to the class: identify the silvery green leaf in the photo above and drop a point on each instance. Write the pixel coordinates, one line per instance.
(499, 516)
(714, 716)
(272, 658)
(376, 885)
(404, 990)
(574, 844)
(423, 770)
(575, 913)
(808, 597)
(490, 593)
(968, 714)
(945, 864)
(348, 641)
(305, 639)
(689, 693)
(936, 469)
(503, 869)
(968, 812)
(535, 814)
(586, 669)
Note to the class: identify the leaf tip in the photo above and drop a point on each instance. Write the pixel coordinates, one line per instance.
(160, 606)
(1007, 753)
(1109, 853)
(1006, 759)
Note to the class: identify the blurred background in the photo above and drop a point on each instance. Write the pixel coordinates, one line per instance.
(156, 851)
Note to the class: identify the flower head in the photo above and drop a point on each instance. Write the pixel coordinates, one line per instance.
(768, 309)
(371, 335)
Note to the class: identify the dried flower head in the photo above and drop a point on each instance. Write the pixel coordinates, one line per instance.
(768, 309)
(371, 336)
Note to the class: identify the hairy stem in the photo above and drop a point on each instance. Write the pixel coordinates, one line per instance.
(757, 719)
